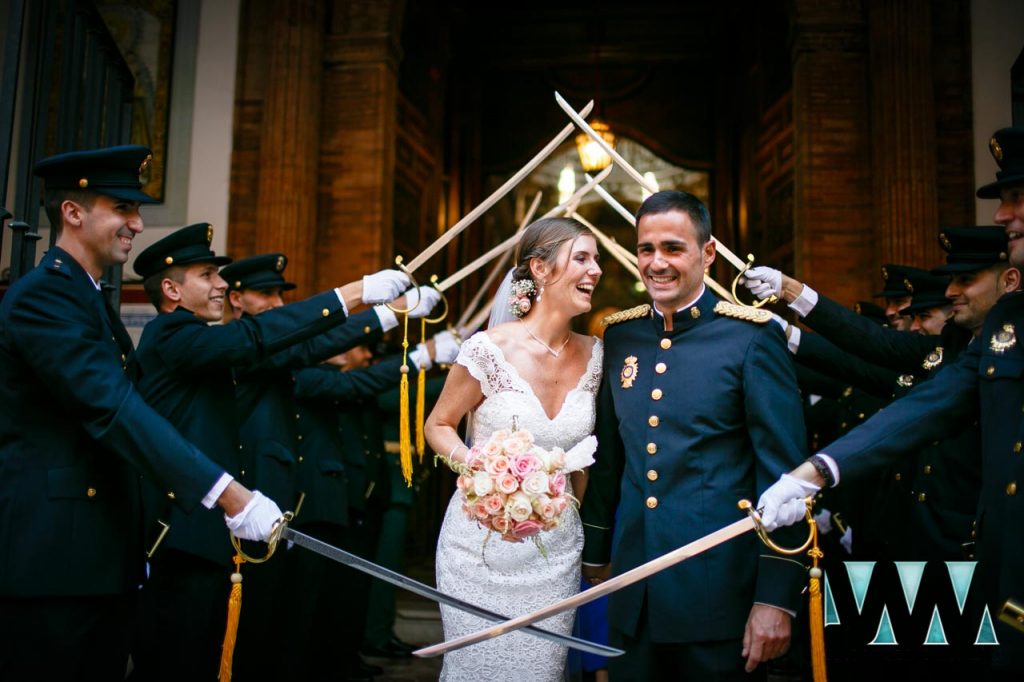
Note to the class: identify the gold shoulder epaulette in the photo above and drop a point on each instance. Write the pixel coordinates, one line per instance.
(743, 312)
(627, 314)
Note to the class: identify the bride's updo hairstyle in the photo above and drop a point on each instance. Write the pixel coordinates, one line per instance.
(541, 239)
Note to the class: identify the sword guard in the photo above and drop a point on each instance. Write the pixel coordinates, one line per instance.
(275, 537)
(736, 280)
(763, 534)
(399, 261)
(444, 300)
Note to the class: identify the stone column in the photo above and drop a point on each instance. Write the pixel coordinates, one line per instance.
(286, 207)
(357, 145)
(833, 217)
(903, 132)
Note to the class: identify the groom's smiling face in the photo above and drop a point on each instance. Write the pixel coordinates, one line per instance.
(671, 258)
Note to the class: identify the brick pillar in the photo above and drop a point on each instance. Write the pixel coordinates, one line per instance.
(286, 208)
(832, 212)
(357, 144)
(903, 132)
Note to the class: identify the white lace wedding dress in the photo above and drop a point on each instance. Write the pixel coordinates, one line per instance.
(513, 578)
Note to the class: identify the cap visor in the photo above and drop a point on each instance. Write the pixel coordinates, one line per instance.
(956, 268)
(127, 194)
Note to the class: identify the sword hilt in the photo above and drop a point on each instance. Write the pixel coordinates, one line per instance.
(272, 541)
(763, 534)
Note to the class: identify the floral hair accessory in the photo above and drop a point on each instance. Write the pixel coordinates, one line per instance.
(519, 302)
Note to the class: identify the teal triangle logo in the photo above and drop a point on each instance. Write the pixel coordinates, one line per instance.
(884, 635)
(986, 632)
(831, 614)
(910, 573)
(960, 574)
(860, 575)
(936, 633)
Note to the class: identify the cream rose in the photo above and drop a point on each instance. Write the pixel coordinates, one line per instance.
(519, 507)
(483, 484)
(536, 483)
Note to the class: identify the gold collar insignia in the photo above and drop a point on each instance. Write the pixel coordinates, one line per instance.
(934, 359)
(1004, 339)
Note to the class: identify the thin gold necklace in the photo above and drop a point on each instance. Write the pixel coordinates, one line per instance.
(551, 350)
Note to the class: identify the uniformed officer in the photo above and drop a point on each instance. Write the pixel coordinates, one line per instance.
(270, 434)
(985, 382)
(895, 295)
(698, 408)
(186, 376)
(75, 435)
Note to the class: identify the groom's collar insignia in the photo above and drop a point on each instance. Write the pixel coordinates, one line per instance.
(628, 373)
(934, 359)
(1004, 339)
(628, 314)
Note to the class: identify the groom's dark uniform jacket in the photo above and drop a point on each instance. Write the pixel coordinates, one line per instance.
(690, 421)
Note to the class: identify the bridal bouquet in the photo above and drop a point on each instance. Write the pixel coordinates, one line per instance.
(513, 487)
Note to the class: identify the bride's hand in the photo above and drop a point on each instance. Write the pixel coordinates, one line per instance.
(581, 455)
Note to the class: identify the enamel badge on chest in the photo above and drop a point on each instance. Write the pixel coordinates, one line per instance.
(1004, 339)
(934, 359)
(628, 373)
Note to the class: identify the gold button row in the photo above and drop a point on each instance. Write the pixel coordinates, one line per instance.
(652, 502)
(652, 475)
(666, 344)
(652, 448)
(653, 420)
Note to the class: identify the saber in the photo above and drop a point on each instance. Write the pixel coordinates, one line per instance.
(496, 195)
(416, 587)
(674, 557)
(621, 210)
(511, 241)
(633, 173)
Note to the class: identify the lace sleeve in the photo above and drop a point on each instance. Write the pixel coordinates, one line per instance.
(592, 380)
(476, 356)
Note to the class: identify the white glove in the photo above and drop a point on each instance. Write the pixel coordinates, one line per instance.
(420, 357)
(847, 540)
(763, 281)
(581, 455)
(783, 503)
(418, 308)
(823, 519)
(446, 349)
(384, 286)
(256, 519)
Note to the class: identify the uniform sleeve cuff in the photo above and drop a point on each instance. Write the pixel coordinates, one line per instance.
(218, 489)
(805, 302)
(337, 292)
(388, 321)
(832, 466)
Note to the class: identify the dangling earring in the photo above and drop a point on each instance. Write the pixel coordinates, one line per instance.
(541, 292)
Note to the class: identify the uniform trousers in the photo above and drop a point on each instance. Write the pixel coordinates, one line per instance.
(65, 638)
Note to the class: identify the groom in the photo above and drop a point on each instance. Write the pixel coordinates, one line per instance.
(698, 408)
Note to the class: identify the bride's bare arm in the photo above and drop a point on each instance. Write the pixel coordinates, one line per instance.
(461, 393)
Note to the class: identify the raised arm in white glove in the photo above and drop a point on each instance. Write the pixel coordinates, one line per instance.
(783, 504)
(384, 286)
(763, 281)
(446, 348)
(256, 519)
(420, 307)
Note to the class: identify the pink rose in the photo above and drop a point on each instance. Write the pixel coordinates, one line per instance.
(500, 435)
(480, 510)
(561, 504)
(544, 507)
(497, 465)
(467, 511)
(495, 504)
(490, 449)
(502, 524)
(556, 484)
(525, 464)
(524, 529)
(472, 456)
(463, 482)
(514, 446)
(507, 483)
(535, 483)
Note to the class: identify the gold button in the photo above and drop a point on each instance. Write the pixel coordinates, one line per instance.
(990, 371)
(238, 284)
(242, 473)
(91, 492)
(169, 260)
(652, 475)
(652, 448)
(123, 357)
(170, 495)
(366, 329)
(660, 368)
(922, 497)
(666, 344)
(860, 416)
(1017, 447)
(695, 312)
(297, 416)
(656, 394)
(1011, 489)
(898, 476)
(325, 312)
(653, 420)
(300, 436)
(927, 468)
(652, 502)
(300, 458)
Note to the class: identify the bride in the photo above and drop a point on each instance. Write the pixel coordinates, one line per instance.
(536, 373)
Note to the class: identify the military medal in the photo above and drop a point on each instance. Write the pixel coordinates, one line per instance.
(934, 359)
(628, 373)
(1004, 339)
(906, 380)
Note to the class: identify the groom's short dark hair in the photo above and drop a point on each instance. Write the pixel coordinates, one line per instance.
(684, 202)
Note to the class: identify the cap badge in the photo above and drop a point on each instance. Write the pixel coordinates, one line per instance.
(885, 274)
(280, 263)
(907, 285)
(628, 373)
(945, 241)
(209, 233)
(1004, 339)
(145, 162)
(997, 151)
(856, 308)
(83, 183)
(169, 260)
(933, 360)
(695, 312)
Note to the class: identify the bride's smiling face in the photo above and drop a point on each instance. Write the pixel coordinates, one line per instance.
(575, 276)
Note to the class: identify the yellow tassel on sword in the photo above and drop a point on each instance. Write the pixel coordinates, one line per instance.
(227, 653)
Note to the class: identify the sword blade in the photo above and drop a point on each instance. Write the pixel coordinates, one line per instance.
(397, 579)
(618, 582)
